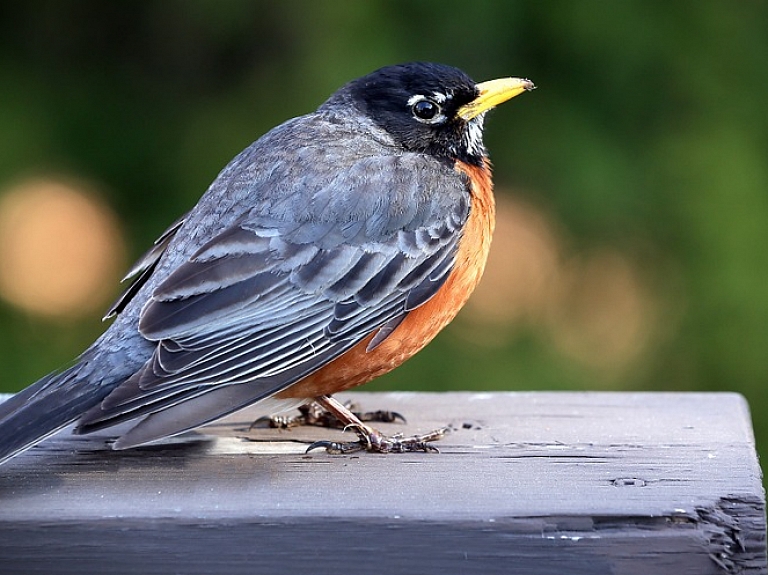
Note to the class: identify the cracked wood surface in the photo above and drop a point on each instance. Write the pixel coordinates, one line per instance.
(598, 483)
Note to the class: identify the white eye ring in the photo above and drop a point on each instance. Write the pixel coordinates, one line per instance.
(426, 110)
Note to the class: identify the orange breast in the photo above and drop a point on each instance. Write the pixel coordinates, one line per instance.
(358, 366)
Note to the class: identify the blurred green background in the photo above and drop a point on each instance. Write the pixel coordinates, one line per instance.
(632, 244)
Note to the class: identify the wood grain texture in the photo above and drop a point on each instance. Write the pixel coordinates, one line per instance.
(528, 483)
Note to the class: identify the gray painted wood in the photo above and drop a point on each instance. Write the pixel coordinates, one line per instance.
(528, 483)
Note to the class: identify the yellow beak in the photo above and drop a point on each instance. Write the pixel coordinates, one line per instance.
(493, 93)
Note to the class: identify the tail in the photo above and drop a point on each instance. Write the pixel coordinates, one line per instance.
(46, 406)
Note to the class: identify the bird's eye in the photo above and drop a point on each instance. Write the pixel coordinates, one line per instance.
(425, 110)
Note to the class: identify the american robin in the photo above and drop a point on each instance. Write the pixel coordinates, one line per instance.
(324, 255)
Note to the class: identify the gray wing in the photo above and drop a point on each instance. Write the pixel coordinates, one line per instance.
(283, 292)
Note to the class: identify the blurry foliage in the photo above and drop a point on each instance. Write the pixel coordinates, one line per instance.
(648, 135)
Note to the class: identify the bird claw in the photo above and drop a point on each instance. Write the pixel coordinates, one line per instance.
(379, 416)
(315, 414)
(374, 441)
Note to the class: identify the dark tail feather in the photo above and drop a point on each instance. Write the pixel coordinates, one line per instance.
(46, 406)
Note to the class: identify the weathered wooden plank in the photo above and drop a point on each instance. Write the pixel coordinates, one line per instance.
(528, 483)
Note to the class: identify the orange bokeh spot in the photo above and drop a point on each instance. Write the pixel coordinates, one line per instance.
(61, 249)
(604, 314)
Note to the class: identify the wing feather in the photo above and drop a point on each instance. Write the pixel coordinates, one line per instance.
(143, 269)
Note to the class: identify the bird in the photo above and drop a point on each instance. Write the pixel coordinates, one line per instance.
(325, 254)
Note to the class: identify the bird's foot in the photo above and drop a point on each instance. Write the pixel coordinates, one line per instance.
(371, 439)
(374, 441)
(325, 411)
(314, 413)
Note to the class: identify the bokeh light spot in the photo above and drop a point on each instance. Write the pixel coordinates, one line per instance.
(61, 249)
(604, 314)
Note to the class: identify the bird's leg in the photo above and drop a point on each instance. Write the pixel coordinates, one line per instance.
(370, 439)
(314, 413)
